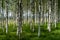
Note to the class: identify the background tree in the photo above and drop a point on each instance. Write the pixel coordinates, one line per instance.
(2, 15)
(39, 17)
(49, 15)
(33, 12)
(7, 15)
(19, 17)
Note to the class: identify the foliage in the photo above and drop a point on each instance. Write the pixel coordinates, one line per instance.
(27, 34)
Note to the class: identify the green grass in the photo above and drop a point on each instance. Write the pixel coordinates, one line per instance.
(27, 34)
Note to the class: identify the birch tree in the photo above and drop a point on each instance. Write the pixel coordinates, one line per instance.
(1, 12)
(33, 12)
(2, 15)
(19, 17)
(39, 17)
(6, 16)
(55, 11)
(49, 15)
(36, 11)
(41, 4)
(27, 10)
(31, 17)
(52, 13)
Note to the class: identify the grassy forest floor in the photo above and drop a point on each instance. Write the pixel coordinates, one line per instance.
(27, 34)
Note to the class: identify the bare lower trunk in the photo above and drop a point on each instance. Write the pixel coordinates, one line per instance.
(39, 31)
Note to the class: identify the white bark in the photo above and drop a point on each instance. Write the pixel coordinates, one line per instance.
(40, 12)
(2, 16)
(27, 12)
(49, 16)
(55, 11)
(6, 16)
(39, 31)
(35, 13)
(32, 2)
(31, 17)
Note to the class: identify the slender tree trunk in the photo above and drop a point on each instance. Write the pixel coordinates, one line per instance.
(45, 16)
(0, 12)
(31, 17)
(2, 16)
(55, 11)
(33, 12)
(19, 17)
(49, 15)
(15, 15)
(39, 6)
(6, 16)
(27, 10)
(41, 12)
(52, 12)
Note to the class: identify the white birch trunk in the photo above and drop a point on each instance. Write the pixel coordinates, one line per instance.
(55, 11)
(2, 16)
(6, 16)
(39, 22)
(35, 13)
(49, 16)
